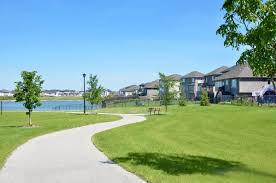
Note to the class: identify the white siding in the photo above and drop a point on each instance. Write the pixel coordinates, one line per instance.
(250, 86)
(152, 92)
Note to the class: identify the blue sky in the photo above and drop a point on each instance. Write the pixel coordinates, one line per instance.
(122, 41)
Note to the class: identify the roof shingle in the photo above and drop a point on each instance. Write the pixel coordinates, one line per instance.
(194, 74)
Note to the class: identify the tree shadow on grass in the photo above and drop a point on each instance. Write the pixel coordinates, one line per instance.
(180, 164)
(20, 126)
(12, 126)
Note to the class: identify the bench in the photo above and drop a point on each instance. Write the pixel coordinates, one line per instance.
(154, 110)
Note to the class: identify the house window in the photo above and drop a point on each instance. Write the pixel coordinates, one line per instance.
(193, 80)
(226, 82)
(218, 84)
(213, 78)
(234, 83)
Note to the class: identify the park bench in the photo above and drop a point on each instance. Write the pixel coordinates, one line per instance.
(154, 110)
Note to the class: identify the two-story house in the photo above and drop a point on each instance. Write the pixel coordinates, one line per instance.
(192, 84)
(131, 90)
(239, 81)
(149, 90)
(176, 79)
(209, 81)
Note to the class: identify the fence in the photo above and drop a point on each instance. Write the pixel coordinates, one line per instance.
(132, 103)
(76, 107)
(267, 100)
(247, 100)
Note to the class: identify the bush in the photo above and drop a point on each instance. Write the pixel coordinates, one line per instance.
(204, 101)
(182, 101)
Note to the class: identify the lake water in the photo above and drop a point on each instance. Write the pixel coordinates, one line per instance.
(48, 105)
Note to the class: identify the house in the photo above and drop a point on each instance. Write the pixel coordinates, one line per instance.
(131, 90)
(176, 78)
(106, 93)
(192, 84)
(149, 90)
(209, 81)
(60, 93)
(239, 81)
(6, 93)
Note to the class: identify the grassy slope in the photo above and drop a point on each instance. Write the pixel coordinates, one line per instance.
(198, 144)
(11, 136)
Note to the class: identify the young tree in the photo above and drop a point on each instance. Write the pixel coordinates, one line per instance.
(182, 101)
(28, 91)
(166, 92)
(94, 95)
(251, 25)
(204, 100)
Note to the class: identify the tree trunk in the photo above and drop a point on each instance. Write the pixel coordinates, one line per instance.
(166, 106)
(272, 78)
(30, 118)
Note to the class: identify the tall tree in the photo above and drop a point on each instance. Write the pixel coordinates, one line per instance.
(167, 94)
(94, 95)
(28, 91)
(251, 25)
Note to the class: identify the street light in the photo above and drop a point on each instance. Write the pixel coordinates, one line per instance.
(84, 95)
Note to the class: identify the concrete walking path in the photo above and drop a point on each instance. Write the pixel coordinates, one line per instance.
(67, 157)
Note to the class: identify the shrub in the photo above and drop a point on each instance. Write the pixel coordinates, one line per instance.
(182, 101)
(204, 101)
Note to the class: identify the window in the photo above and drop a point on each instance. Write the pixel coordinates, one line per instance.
(234, 83)
(226, 82)
(218, 84)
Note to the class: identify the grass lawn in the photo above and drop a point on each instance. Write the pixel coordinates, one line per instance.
(12, 135)
(217, 144)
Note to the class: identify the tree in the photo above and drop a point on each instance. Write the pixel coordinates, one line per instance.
(204, 100)
(94, 95)
(182, 101)
(166, 92)
(28, 91)
(251, 25)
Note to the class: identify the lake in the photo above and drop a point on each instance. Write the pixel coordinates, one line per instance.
(63, 105)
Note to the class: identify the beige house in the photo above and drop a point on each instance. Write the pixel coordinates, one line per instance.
(149, 90)
(131, 90)
(192, 84)
(176, 78)
(239, 81)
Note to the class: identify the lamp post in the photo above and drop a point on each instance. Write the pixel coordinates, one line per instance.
(84, 95)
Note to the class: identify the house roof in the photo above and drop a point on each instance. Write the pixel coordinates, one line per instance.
(194, 74)
(217, 71)
(130, 88)
(4, 91)
(175, 77)
(152, 85)
(237, 71)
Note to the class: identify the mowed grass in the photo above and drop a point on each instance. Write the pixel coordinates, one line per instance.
(196, 144)
(12, 134)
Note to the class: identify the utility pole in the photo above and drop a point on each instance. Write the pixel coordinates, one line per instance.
(1, 106)
(84, 95)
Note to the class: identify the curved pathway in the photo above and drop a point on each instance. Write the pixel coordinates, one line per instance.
(67, 157)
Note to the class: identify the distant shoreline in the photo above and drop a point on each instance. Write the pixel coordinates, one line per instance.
(11, 99)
